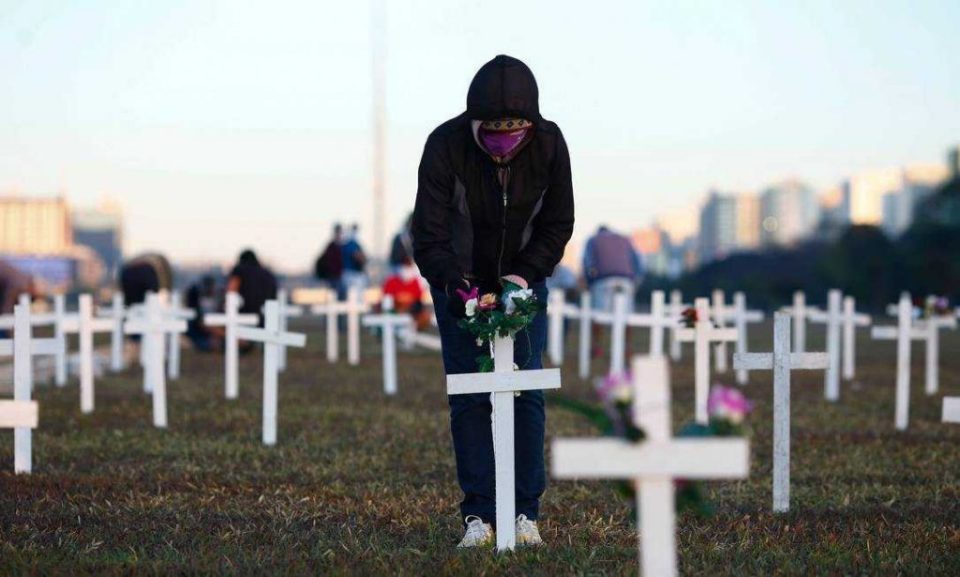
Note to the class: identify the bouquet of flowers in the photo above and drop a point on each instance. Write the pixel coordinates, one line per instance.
(727, 407)
(489, 316)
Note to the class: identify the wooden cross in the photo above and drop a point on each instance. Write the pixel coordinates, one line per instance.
(59, 335)
(675, 311)
(503, 383)
(86, 325)
(116, 316)
(274, 340)
(951, 409)
(231, 320)
(617, 320)
(851, 320)
(781, 361)
(800, 313)
(153, 328)
(287, 311)
(585, 316)
(703, 335)
(903, 333)
(653, 464)
(740, 316)
(21, 413)
(390, 324)
(833, 318)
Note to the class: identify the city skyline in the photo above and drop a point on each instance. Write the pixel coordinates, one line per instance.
(219, 127)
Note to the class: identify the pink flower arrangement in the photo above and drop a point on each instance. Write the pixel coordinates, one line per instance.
(728, 403)
(615, 388)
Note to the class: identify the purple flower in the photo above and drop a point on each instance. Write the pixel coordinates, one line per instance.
(615, 388)
(728, 403)
(466, 296)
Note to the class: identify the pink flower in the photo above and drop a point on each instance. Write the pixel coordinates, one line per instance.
(466, 296)
(728, 403)
(615, 388)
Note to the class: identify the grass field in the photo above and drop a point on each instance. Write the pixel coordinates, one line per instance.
(363, 484)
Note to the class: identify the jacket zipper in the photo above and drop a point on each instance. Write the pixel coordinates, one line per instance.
(503, 222)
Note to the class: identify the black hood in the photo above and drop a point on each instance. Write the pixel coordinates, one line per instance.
(503, 88)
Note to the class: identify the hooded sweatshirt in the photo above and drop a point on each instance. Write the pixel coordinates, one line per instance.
(481, 217)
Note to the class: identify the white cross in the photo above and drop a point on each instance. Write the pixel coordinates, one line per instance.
(287, 311)
(390, 324)
(353, 307)
(59, 335)
(951, 409)
(231, 320)
(617, 320)
(503, 383)
(928, 330)
(653, 464)
(556, 301)
(585, 315)
(116, 316)
(718, 313)
(675, 310)
(702, 335)
(800, 313)
(175, 310)
(851, 320)
(274, 340)
(833, 317)
(903, 333)
(781, 361)
(86, 325)
(23, 347)
(741, 317)
(656, 320)
(153, 327)
(19, 416)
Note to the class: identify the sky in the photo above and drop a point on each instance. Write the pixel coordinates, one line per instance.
(225, 124)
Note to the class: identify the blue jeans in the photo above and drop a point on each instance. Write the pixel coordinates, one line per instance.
(470, 418)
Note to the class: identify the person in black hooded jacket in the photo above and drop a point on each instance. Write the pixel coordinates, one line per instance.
(494, 206)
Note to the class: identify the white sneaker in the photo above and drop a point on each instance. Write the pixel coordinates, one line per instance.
(478, 533)
(527, 532)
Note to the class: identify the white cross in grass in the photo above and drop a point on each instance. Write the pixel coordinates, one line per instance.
(86, 326)
(781, 361)
(653, 463)
(503, 383)
(231, 320)
(703, 334)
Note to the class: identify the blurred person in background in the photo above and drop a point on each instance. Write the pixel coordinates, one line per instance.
(13, 283)
(329, 265)
(150, 272)
(354, 264)
(255, 283)
(406, 289)
(610, 265)
(202, 299)
(401, 248)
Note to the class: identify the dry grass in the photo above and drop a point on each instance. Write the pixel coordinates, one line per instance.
(360, 483)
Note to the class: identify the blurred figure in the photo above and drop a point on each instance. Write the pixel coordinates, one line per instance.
(402, 247)
(13, 283)
(255, 283)
(354, 263)
(563, 278)
(150, 272)
(329, 266)
(610, 265)
(406, 289)
(202, 299)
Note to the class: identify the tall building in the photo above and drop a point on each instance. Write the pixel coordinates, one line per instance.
(789, 212)
(864, 192)
(916, 183)
(101, 229)
(34, 226)
(953, 162)
(718, 227)
(748, 221)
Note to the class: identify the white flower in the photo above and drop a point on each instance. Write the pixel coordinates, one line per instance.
(471, 307)
(510, 305)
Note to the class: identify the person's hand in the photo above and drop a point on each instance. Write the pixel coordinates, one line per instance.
(517, 280)
(456, 307)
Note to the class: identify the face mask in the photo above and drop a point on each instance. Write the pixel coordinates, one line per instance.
(499, 143)
(407, 273)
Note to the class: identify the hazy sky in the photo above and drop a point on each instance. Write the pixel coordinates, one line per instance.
(226, 124)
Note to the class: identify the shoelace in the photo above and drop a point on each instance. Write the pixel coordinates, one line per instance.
(475, 527)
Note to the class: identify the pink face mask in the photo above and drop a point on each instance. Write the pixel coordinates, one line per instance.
(499, 143)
